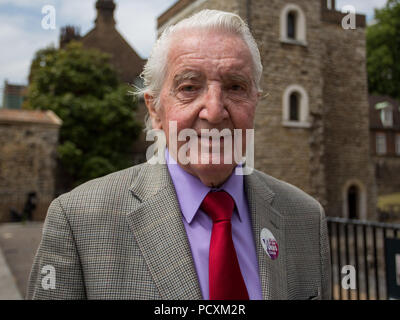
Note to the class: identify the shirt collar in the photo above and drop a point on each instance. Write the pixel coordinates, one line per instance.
(191, 191)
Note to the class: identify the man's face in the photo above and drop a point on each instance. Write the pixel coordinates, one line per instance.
(209, 85)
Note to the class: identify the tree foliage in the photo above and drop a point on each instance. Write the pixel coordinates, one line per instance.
(82, 88)
(383, 51)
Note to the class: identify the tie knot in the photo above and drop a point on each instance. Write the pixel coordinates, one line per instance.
(218, 205)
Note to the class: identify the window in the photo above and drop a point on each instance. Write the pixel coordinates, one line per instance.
(295, 107)
(380, 143)
(354, 200)
(398, 144)
(387, 116)
(386, 113)
(293, 25)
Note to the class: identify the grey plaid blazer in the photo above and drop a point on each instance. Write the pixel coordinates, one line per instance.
(122, 237)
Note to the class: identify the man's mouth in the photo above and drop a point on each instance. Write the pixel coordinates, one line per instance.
(214, 141)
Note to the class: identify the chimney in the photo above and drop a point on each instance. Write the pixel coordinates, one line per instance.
(105, 13)
(69, 33)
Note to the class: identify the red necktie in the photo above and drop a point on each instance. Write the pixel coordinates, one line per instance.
(225, 279)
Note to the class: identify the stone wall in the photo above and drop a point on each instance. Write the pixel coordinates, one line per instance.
(346, 113)
(27, 163)
(281, 151)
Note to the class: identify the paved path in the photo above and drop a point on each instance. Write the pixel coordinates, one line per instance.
(8, 286)
(18, 245)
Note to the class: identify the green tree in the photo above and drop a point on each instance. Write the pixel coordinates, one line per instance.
(383, 51)
(98, 115)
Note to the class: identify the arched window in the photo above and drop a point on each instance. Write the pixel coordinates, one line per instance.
(293, 25)
(295, 107)
(354, 200)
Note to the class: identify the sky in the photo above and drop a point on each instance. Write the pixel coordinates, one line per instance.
(21, 32)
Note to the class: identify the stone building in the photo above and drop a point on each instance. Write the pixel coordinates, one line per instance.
(106, 38)
(312, 128)
(13, 95)
(385, 142)
(28, 142)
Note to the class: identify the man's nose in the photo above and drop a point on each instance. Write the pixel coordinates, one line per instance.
(213, 109)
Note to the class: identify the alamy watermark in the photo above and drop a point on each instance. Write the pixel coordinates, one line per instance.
(349, 280)
(210, 142)
(349, 20)
(49, 20)
(49, 279)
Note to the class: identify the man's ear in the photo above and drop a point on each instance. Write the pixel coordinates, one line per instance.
(153, 112)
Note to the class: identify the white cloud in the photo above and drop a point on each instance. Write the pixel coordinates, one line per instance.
(137, 22)
(77, 12)
(21, 44)
(26, 3)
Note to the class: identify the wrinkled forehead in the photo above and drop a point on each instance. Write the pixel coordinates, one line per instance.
(198, 45)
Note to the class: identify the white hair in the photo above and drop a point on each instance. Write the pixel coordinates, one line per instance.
(155, 69)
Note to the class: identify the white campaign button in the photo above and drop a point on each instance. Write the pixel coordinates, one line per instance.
(269, 243)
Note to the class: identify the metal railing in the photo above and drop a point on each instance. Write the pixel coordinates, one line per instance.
(360, 244)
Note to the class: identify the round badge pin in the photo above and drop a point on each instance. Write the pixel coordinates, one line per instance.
(269, 243)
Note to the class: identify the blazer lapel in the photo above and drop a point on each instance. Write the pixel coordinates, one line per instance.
(273, 273)
(161, 236)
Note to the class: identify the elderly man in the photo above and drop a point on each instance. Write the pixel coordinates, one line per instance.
(189, 229)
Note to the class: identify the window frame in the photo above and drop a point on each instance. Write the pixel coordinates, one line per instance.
(300, 25)
(303, 107)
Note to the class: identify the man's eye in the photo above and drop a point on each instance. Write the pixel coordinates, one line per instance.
(236, 87)
(188, 88)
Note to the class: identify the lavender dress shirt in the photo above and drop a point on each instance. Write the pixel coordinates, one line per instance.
(191, 192)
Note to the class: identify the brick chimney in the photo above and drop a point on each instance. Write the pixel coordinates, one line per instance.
(105, 13)
(69, 33)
